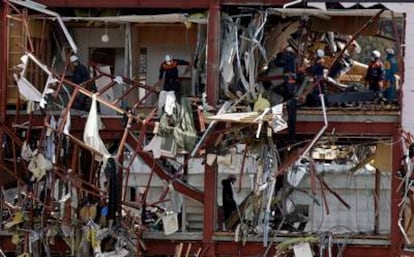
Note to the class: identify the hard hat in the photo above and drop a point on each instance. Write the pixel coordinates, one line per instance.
(376, 54)
(168, 58)
(389, 51)
(232, 177)
(320, 53)
(74, 58)
(289, 49)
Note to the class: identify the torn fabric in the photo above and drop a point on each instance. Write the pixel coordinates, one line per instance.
(38, 166)
(27, 90)
(91, 134)
(26, 152)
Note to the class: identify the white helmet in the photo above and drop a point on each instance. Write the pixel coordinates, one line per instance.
(389, 51)
(376, 54)
(74, 58)
(320, 53)
(168, 58)
(289, 49)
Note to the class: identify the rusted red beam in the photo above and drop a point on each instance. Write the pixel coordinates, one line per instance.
(212, 86)
(255, 2)
(213, 53)
(114, 127)
(210, 208)
(325, 185)
(180, 186)
(348, 128)
(165, 4)
(11, 134)
(3, 59)
(230, 248)
(7, 246)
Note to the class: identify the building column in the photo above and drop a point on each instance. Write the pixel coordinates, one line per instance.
(395, 237)
(209, 208)
(213, 51)
(3, 59)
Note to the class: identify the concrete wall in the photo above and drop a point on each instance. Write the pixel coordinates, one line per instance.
(358, 191)
(158, 40)
(87, 38)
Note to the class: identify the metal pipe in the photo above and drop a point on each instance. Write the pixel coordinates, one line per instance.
(67, 111)
(334, 193)
(291, 3)
(105, 88)
(136, 105)
(116, 101)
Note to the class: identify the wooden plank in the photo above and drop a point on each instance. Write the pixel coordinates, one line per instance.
(242, 117)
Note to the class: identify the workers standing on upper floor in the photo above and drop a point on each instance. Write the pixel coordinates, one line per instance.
(375, 74)
(391, 68)
(169, 72)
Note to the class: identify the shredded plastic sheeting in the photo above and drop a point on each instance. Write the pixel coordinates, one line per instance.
(27, 90)
(91, 134)
(39, 165)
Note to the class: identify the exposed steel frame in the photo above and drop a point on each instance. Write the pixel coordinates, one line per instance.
(3, 59)
(177, 4)
(210, 246)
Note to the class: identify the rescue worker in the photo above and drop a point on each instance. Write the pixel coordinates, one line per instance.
(290, 88)
(391, 68)
(317, 71)
(375, 73)
(169, 72)
(80, 74)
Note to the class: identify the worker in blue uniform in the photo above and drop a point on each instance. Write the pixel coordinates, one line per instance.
(290, 89)
(391, 69)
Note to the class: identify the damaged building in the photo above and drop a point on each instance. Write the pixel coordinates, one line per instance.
(206, 128)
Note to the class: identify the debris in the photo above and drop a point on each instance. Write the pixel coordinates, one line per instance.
(302, 250)
(170, 222)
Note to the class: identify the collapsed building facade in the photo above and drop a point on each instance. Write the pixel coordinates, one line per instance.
(234, 166)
